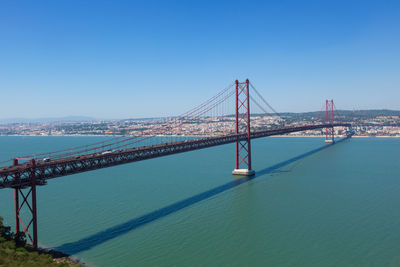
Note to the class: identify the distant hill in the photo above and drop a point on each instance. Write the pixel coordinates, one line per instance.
(359, 117)
(370, 113)
(360, 114)
(367, 112)
(50, 119)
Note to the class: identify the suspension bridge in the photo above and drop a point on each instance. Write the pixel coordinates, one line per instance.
(222, 119)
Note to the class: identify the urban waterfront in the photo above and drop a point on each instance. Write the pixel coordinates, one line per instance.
(309, 204)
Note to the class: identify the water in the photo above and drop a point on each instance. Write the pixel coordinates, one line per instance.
(309, 205)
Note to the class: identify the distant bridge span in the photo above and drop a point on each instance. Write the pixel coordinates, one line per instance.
(20, 176)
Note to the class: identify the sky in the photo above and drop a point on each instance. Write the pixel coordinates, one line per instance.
(133, 59)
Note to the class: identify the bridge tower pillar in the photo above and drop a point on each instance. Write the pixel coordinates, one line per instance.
(18, 192)
(329, 131)
(242, 130)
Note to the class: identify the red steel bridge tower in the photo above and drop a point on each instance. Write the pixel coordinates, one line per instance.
(242, 130)
(18, 191)
(329, 132)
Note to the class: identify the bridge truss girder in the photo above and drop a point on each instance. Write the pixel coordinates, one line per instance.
(44, 171)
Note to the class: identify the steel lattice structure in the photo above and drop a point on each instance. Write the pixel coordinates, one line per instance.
(242, 125)
(329, 132)
(20, 176)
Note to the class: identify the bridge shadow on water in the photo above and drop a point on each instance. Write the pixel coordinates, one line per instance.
(123, 228)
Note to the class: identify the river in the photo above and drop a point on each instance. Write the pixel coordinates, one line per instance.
(310, 204)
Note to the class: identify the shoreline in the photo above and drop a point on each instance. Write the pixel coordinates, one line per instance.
(323, 136)
(61, 257)
(285, 135)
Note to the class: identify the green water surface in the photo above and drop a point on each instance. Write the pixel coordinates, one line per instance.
(308, 205)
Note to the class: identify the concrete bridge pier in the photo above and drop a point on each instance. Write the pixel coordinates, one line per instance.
(243, 172)
(329, 141)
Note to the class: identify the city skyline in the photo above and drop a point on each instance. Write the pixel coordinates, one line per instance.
(156, 59)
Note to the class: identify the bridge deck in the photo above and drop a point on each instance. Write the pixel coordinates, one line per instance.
(20, 176)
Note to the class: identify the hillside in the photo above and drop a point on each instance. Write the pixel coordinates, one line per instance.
(14, 252)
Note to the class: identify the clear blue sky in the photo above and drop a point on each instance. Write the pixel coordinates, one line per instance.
(124, 59)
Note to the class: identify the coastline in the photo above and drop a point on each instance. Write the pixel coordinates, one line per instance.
(285, 135)
(323, 136)
(61, 257)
